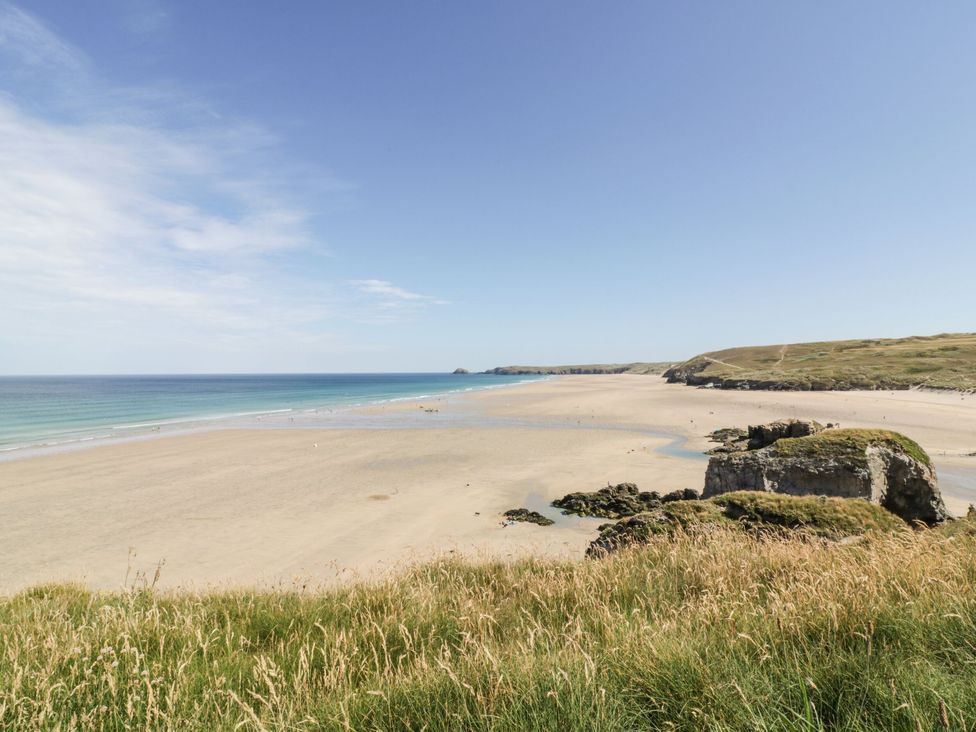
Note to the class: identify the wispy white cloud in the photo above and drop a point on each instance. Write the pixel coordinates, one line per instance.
(97, 212)
(140, 219)
(121, 225)
(389, 291)
(27, 40)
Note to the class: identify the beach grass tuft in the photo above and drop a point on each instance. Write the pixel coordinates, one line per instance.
(724, 632)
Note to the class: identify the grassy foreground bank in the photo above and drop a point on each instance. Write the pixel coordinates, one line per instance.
(698, 632)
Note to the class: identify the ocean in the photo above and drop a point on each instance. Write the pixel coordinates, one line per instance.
(38, 411)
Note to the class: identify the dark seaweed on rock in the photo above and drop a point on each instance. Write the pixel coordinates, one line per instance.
(532, 517)
(614, 501)
(685, 494)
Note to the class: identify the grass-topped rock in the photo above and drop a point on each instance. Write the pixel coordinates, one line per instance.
(614, 501)
(828, 518)
(880, 466)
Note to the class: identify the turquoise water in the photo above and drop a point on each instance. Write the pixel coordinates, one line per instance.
(49, 410)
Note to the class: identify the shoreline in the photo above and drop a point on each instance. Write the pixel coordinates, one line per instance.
(278, 504)
(206, 423)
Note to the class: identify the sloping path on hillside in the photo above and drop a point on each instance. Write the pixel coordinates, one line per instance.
(725, 363)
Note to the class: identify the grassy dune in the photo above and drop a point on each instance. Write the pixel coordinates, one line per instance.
(724, 632)
(946, 361)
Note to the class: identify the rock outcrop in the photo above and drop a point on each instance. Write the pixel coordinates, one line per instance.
(801, 458)
(461, 371)
(830, 519)
(664, 520)
(735, 439)
(532, 517)
(614, 501)
(685, 494)
(763, 435)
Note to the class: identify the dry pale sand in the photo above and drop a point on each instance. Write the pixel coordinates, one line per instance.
(295, 506)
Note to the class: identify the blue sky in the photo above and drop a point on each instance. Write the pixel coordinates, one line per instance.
(376, 186)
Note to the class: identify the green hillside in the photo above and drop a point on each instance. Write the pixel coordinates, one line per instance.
(945, 361)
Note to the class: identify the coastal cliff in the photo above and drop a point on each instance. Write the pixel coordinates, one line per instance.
(945, 361)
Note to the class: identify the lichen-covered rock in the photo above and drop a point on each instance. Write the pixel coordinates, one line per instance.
(665, 520)
(532, 517)
(830, 519)
(762, 435)
(880, 466)
(614, 501)
(730, 439)
(685, 494)
(627, 532)
(736, 439)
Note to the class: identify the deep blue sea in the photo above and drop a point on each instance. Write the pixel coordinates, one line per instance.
(49, 410)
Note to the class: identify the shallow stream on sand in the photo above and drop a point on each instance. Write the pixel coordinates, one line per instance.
(957, 483)
(675, 447)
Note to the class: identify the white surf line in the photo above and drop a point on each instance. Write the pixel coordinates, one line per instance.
(206, 418)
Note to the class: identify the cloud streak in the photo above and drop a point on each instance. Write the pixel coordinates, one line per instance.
(28, 41)
(389, 292)
(139, 218)
(95, 212)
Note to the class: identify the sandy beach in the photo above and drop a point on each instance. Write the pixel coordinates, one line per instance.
(302, 506)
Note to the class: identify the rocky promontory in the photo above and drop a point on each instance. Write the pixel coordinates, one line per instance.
(789, 475)
(803, 458)
(944, 361)
(786, 476)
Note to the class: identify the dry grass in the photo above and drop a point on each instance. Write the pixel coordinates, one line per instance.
(849, 445)
(723, 632)
(831, 518)
(945, 361)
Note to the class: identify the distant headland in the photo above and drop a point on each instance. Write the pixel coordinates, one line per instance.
(656, 368)
(944, 361)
